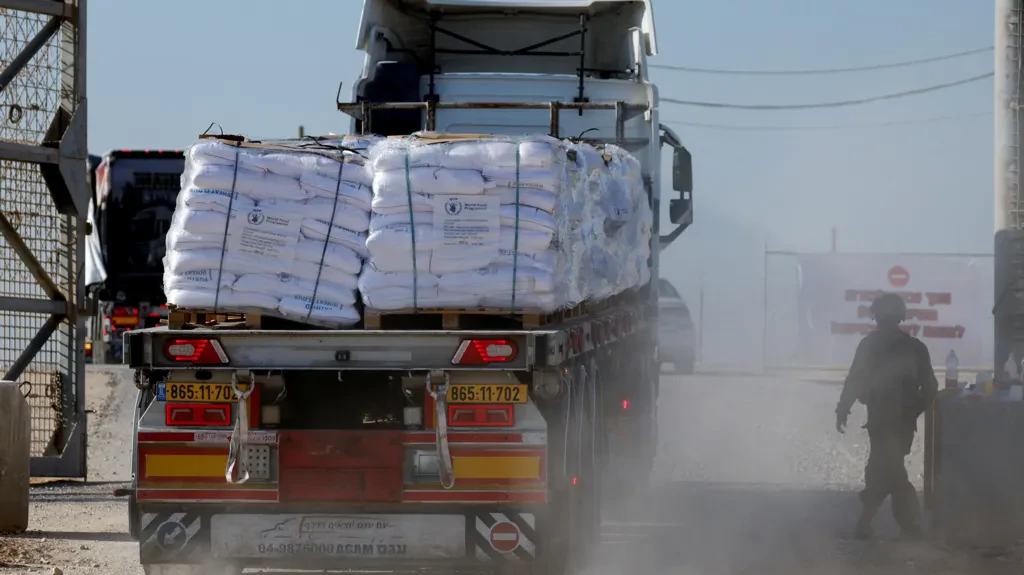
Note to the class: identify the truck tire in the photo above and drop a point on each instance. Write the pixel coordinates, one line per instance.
(572, 523)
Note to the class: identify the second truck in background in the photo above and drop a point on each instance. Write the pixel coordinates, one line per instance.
(133, 198)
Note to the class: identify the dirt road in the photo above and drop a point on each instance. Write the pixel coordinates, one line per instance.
(80, 528)
(751, 478)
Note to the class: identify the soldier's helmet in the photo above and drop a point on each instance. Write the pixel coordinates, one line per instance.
(889, 308)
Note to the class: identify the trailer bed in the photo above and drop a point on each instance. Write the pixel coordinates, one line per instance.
(367, 349)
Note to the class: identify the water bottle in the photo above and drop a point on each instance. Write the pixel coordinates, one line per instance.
(952, 377)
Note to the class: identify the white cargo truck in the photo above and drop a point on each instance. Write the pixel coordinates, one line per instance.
(434, 443)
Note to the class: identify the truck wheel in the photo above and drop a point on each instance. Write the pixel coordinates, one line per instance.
(683, 366)
(133, 517)
(572, 522)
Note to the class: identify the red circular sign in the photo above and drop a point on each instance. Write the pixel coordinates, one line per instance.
(504, 536)
(898, 276)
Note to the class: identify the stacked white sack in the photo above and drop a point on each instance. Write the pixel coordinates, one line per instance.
(249, 231)
(469, 221)
(619, 233)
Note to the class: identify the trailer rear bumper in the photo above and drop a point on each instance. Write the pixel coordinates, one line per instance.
(295, 539)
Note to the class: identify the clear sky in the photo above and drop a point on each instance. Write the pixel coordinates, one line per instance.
(161, 72)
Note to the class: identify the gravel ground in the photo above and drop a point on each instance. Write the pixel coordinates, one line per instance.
(76, 527)
(751, 477)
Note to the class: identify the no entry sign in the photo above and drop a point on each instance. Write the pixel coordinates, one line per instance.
(504, 536)
(898, 276)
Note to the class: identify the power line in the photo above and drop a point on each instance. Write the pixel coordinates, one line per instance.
(819, 71)
(825, 128)
(839, 104)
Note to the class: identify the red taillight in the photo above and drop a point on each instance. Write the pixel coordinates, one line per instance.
(201, 351)
(485, 351)
(625, 404)
(481, 415)
(200, 414)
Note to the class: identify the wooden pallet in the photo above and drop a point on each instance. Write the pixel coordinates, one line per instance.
(178, 318)
(471, 318)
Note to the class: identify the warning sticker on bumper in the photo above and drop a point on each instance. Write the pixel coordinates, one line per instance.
(357, 536)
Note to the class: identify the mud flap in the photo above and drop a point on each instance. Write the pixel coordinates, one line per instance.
(173, 538)
(502, 537)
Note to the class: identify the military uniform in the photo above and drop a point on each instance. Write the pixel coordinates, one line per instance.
(893, 377)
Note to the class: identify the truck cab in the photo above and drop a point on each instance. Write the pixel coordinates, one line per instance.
(569, 68)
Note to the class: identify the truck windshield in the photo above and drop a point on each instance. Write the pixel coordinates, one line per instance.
(137, 211)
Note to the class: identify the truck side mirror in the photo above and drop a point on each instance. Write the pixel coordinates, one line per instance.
(678, 209)
(682, 170)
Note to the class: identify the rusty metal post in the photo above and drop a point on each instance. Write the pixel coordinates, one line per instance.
(555, 112)
(431, 116)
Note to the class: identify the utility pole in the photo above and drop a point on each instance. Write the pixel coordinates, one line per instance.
(1009, 206)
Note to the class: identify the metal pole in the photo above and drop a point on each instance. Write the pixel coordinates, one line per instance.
(834, 240)
(1007, 124)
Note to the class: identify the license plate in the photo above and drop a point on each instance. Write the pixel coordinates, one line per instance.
(486, 393)
(339, 536)
(201, 392)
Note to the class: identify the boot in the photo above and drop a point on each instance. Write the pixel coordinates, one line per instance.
(863, 529)
(912, 533)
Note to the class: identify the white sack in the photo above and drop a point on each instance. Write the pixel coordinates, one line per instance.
(428, 181)
(537, 153)
(258, 185)
(394, 290)
(317, 229)
(226, 300)
(285, 285)
(298, 308)
(199, 279)
(391, 249)
(216, 200)
(391, 201)
(240, 263)
(346, 215)
(529, 218)
(215, 152)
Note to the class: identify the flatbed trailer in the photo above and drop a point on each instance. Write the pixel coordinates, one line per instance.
(438, 439)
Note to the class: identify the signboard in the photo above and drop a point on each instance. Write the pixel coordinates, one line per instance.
(944, 295)
(339, 536)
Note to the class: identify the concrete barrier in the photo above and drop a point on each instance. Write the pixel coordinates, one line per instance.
(15, 434)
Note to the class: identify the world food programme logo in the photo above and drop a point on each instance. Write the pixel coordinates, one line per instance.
(256, 217)
(453, 207)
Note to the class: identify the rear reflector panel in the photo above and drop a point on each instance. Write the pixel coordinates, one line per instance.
(196, 351)
(485, 351)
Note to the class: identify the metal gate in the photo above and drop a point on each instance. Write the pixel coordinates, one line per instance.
(43, 205)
